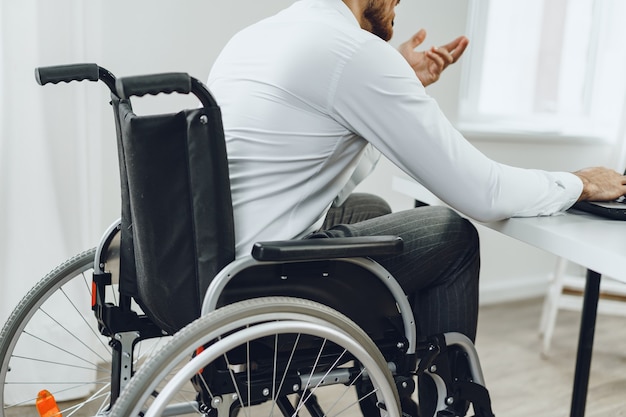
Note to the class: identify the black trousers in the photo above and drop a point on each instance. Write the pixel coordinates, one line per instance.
(438, 268)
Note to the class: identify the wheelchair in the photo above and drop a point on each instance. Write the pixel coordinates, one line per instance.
(301, 327)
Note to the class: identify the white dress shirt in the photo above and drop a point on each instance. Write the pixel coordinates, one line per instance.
(303, 92)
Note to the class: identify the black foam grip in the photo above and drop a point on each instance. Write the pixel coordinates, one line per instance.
(140, 85)
(66, 73)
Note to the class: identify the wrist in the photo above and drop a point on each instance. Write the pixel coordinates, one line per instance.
(584, 193)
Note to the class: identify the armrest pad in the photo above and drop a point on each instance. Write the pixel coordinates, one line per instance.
(317, 249)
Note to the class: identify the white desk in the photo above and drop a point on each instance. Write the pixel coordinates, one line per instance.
(595, 243)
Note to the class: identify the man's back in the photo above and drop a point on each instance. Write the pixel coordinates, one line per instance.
(275, 83)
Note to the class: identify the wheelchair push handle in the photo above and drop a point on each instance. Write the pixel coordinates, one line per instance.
(66, 73)
(74, 72)
(153, 84)
(164, 83)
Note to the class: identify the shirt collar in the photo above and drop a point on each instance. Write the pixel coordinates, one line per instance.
(340, 7)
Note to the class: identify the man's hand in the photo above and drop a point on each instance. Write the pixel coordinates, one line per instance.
(601, 184)
(428, 65)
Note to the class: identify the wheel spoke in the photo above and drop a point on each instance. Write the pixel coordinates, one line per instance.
(50, 342)
(73, 335)
(89, 326)
(265, 343)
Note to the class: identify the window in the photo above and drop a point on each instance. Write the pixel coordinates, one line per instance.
(545, 66)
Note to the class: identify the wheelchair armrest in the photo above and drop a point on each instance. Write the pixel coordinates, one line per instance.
(318, 249)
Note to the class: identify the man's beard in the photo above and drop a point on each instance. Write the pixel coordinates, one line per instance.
(377, 20)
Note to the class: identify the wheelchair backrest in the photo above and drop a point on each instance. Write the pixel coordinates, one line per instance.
(177, 221)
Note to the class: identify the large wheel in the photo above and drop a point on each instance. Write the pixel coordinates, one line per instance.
(51, 342)
(264, 357)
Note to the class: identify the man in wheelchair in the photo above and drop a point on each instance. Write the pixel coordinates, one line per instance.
(306, 93)
(297, 286)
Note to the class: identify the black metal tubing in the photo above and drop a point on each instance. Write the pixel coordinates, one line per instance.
(108, 78)
(585, 343)
(203, 94)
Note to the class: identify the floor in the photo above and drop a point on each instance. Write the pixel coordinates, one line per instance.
(522, 382)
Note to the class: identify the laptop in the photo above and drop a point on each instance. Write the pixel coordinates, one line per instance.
(615, 209)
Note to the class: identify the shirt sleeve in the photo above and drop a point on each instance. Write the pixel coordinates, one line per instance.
(379, 98)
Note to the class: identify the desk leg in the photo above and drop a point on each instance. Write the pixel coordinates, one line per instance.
(585, 343)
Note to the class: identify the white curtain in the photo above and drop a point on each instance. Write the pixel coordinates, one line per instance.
(49, 164)
(58, 185)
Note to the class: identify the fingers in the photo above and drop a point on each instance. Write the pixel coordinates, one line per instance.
(429, 64)
(441, 56)
(449, 53)
(456, 47)
(417, 39)
(601, 184)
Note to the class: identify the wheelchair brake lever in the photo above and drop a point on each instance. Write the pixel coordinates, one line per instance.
(430, 354)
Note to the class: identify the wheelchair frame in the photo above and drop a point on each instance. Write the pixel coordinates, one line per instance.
(125, 327)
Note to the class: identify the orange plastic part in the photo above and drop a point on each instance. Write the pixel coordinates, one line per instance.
(93, 293)
(199, 351)
(47, 405)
